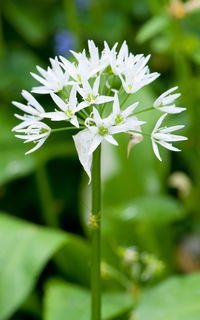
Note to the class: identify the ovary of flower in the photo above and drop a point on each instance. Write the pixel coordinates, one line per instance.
(37, 132)
(34, 110)
(165, 101)
(53, 80)
(68, 108)
(136, 74)
(91, 95)
(163, 136)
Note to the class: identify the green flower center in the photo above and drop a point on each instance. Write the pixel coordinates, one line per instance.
(79, 77)
(103, 131)
(119, 119)
(69, 113)
(91, 97)
(130, 87)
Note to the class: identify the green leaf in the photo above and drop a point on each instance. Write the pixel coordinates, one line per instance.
(26, 21)
(152, 27)
(155, 210)
(63, 299)
(76, 252)
(175, 299)
(25, 249)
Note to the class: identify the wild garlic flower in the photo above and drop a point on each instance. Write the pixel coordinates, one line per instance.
(165, 102)
(53, 80)
(90, 96)
(163, 136)
(37, 132)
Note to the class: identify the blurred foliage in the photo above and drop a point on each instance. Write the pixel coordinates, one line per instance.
(148, 217)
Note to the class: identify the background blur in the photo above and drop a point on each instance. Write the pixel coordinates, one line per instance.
(151, 211)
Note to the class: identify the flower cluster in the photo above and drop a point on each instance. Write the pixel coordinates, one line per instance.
(91, 96)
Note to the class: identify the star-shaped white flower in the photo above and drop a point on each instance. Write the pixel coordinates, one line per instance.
(69, 108)
(136, 74)
(53, 80)
(124, 119)
(37, 132)
(165, 101)
(91, 95)
(33, 108)
(76, 72)
(163, 136)
(118, 61)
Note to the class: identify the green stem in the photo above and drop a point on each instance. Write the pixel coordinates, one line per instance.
(95, 236)
(66, 129)
(144, 110)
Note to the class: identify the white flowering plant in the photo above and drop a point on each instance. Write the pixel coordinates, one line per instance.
(91, 98)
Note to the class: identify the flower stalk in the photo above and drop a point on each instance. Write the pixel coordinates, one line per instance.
(95, 224)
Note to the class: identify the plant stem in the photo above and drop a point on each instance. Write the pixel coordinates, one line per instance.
(95, 236)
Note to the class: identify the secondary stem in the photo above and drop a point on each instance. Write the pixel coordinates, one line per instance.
(95, 236)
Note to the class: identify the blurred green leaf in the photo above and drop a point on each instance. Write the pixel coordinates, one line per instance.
(26, 21)
(155, 210)
(152, 27)
(76, 252)
(24, 251)
(175, 299)
(63, 299)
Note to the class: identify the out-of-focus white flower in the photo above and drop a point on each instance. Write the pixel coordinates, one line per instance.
(33, 108)
(163, 136)
(53, 80)
(91, 94)
(136, 74)
(37, 132)
(165, 102)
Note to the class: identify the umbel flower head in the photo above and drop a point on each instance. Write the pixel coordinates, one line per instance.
(91, 96)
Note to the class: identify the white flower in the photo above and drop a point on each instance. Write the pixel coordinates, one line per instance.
(91, 95)
(117, 61)
(69, 108)
(123, 118)
(163, 136)
(136, 74)
(33, 108)
(165, 100)
(101, 129)
(37, 132)
(53, 80)
(78, 72)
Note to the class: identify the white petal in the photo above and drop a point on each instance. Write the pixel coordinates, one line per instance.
(168, 146)
(74, 121)
(110, 139)
(38, 145)
(60, 103)
(95, 143)
(156, 151)
(171, 109)
(83, 141)
(103, 99)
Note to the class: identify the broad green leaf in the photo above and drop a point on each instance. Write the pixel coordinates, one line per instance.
(155, 210)
(176, 298)
(25, 248)
(152, 27)
(76, 252)
(66, 300)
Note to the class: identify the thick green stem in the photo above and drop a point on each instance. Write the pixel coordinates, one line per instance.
(95, 236)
